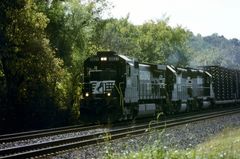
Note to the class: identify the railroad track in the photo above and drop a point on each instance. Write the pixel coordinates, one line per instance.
(115, 133)
(45, 132)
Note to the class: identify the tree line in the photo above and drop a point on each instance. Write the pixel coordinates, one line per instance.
(43, 45)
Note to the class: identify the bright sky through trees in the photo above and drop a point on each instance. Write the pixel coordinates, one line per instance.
(199, 16)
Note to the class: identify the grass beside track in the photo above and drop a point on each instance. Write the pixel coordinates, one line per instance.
(224, 145)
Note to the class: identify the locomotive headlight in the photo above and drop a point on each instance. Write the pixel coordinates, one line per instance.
(87, 94)
(108, 94)
(103, 58)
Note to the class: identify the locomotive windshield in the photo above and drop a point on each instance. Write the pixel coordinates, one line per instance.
(99, 75)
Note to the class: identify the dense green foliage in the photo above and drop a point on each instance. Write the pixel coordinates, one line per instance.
(154, 42)
(31, 72)
(215, 50)
(43, 45)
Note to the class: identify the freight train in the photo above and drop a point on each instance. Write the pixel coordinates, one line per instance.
(117, 87)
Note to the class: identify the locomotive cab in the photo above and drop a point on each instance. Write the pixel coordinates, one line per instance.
(104, 78)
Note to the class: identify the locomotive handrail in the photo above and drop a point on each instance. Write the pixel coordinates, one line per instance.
(119, 90)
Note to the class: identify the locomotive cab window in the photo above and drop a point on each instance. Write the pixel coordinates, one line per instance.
(207, 80)
(98, 75)
(128, 71)
(199, 80)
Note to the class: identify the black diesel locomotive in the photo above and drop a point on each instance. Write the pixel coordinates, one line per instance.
(117, 87)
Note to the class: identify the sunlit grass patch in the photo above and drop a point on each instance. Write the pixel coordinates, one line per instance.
(155, 153)
(224, 145)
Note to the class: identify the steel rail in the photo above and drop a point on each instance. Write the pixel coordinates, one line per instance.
(45, 132)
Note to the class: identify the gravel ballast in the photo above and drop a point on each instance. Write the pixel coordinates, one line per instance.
(178, 137)
(50, 138)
